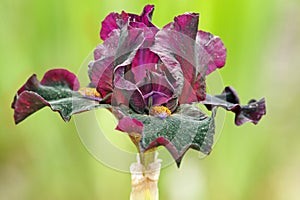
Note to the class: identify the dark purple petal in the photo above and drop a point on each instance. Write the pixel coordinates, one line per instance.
(189, 94)
(144, 60)
(252, 112)
(31, 84)
(156, 89)
(56, 90)
(110, 23)
(101, 75)
(188, 128)
(144, 56)
(61, 77)
(186, 24)
(145, 17)
(186, 62)
(115, 21)
(166, 47)
(27, 103)
(172, 104)
(199, 87)
(214, 47)
(158, 83)
(158, 99)
(128, 94)
(138, 73)
(108, 47)
(149, 32)
(54, 77)
(130, 125)
(119, 50)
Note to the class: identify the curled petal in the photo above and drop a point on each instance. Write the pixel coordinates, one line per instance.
(144, 60)
(130, 125)
(188, 128)
(115, 21)
(156, 89)
(56, 90)
(118, 50)
(186, 62)
(110, 23)
(145, 17)
(61, 77)
(54, 77)
(252, 112)
(214, 47)
(186, 24)
(27, 103)
(101, 75)
(128, 94)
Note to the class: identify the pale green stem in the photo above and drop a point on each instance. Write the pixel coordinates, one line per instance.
(144, 176)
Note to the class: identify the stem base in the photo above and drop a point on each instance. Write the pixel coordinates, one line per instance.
(144, 177)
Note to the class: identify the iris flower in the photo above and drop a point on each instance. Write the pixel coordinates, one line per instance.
(151, 79)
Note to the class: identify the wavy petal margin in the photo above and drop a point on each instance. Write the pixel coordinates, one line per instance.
(58, 90)
(188, 128)
(115, 21)
(252, 112)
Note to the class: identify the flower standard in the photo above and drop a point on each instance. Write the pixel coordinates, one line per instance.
(151, 79)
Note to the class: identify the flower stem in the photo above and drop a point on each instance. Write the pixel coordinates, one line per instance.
(144, 176)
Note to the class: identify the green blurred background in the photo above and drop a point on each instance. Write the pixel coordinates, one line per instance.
(43, 157)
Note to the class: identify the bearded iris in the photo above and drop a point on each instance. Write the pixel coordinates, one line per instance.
(150, 79)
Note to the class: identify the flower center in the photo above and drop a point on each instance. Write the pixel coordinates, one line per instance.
(89, 93)
(160, 111)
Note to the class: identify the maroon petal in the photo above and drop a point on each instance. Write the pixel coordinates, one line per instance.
(54, 77)
(138, 73)
(130, 125)
(252, 112)
(214, 47)
(31, 84)
(61, 77)
(144, 56)
(110, 23)
(113, 20)
(188, 128)
(108, 47)
(143, 61)
(127, 93)
(156, 89)
(56, 90)
(145, 17)
(149, 32)
(186, 24)
(160, 83)
(26, 104)
(186, 61)
(118, 50)
(189, 94)
(101, 75)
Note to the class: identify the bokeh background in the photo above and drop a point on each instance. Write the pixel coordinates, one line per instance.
(43, 157)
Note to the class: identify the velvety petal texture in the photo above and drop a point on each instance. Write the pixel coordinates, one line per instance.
(215, 48)
(58, 90)
(118, 50)
(149, 78)
(176, 46)
(188, 128)
(130, 125)
(115, 21)
(252, 112)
